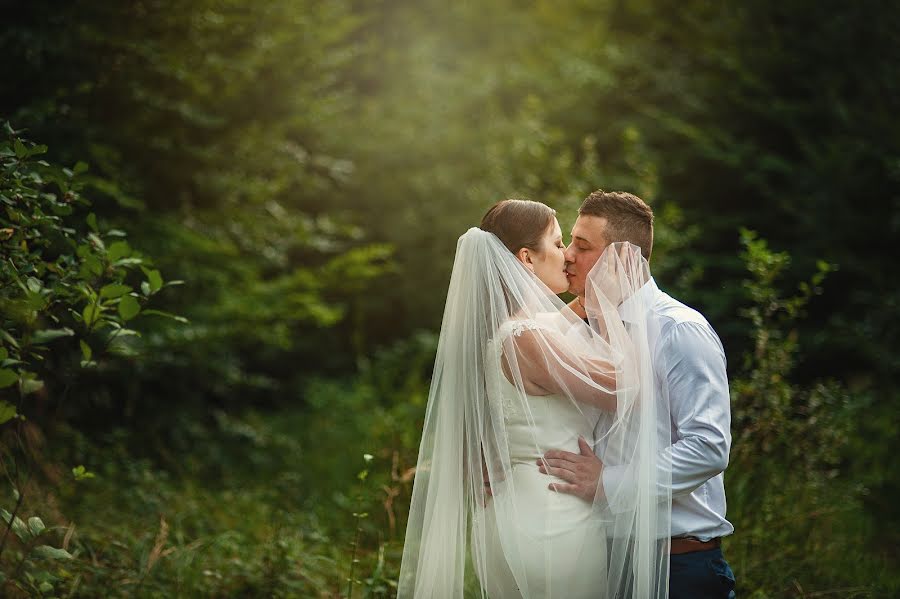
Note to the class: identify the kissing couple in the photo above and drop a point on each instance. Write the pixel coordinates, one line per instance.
(570, 451)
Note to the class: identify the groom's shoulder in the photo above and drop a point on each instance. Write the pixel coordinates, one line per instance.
(686, 329)
(676, 312)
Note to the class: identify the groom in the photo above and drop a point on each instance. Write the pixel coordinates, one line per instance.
(695, 381)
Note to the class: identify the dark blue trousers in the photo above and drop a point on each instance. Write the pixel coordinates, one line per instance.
(700, 575)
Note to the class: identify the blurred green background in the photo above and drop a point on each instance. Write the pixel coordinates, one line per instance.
(226, 235)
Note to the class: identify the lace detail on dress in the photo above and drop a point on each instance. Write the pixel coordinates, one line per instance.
(517, 327)
(499, 389)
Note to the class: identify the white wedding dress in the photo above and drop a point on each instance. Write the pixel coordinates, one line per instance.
(558, 544)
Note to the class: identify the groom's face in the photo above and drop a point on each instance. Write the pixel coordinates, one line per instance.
(588, 243)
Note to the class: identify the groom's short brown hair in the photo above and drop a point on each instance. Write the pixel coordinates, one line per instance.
(628, 217)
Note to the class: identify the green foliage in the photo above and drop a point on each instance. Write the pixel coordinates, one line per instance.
(260, 503)
(216, 147)
(790, 494)
(257, 528)
(39, 568)
(62, 279)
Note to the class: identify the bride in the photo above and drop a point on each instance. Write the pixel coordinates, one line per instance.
(518, 373)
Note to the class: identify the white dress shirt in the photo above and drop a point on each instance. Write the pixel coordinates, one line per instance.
(689, 364)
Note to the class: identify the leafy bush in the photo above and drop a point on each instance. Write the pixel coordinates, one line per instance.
(70, 292)
(790, 495)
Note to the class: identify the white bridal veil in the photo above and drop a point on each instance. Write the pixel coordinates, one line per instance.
(517, 373)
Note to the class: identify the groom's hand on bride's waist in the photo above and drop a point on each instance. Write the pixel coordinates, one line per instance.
(581, 471)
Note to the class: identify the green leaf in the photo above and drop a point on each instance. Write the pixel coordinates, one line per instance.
(92, 222)
(92, 265)
(3, 353)
(9, 338)
(80, 167)
(48, 552)
(45, 587)
(128, 261)
(86, 352)
(129, 307)
(145, 288)
(175, 317)
(47, 335)
(154, 279)
(96, 241)
(114, 290)
(90, 314)
(21, 150)
(118, 250)
(36, 525)
(7, 377)
(7, 411)
(81, 473)
(18, 526)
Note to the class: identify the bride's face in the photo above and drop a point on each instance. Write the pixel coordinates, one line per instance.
(549, 263)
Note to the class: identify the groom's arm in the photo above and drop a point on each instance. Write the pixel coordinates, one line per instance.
(691, 361)
(700, 405)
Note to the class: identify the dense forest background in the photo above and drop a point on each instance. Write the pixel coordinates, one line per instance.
(226, 235)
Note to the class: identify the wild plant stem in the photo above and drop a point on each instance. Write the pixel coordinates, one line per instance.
(353, 557)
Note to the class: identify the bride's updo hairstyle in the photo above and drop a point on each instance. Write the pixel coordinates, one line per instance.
(518, 223)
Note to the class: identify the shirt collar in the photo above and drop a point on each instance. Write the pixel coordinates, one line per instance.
(630, 309)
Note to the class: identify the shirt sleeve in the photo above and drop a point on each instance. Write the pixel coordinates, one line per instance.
(691, 367)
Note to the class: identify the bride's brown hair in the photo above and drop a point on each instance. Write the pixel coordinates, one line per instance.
(518, 223)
